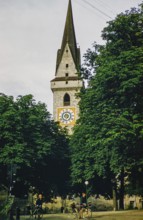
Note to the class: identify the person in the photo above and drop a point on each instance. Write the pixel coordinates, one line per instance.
(62, 209)
(73, 207)
(83, 199)
(83, 205)
(39, 203)
(75, 210)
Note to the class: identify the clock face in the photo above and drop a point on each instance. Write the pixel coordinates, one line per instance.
(66, 116)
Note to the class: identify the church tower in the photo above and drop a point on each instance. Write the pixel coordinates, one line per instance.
(67, 82)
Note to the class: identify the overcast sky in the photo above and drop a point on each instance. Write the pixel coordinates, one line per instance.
(31, 32)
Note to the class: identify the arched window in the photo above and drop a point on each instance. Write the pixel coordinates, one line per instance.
(66, 99)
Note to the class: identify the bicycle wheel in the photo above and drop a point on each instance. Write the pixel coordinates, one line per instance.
(73, 215)
(87, 214)
(40, 214)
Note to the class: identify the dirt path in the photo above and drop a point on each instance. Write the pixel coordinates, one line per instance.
(120, 215)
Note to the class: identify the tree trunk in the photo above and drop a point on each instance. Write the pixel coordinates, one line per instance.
(115, 206)
(121, 195)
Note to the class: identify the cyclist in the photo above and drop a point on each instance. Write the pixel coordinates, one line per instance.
(39, 201)
(83, 205)
(38, 208)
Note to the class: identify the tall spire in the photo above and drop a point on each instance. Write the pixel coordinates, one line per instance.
(70, 38)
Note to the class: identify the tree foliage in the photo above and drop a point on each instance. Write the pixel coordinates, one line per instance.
(109, 133)
(31, 144)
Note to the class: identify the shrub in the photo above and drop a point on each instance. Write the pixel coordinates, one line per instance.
(6, 206)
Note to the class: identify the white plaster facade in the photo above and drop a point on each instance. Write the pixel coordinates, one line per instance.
(66, 59)
(66, 81)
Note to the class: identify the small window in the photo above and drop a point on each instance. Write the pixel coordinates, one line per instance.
(67, 65)
(66, 74)
(67, 51)
(66, 82)
(66, 99)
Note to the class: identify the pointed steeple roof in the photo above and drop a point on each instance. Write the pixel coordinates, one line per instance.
(70, 38)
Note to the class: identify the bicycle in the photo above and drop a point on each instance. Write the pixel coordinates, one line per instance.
(74, 211)
(80, 212)
(85, 211)
(38, 212)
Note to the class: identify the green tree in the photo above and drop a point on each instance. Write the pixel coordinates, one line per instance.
(32, 146)
(111, 119)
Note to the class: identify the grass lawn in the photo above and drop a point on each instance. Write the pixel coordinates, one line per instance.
(119, 215)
